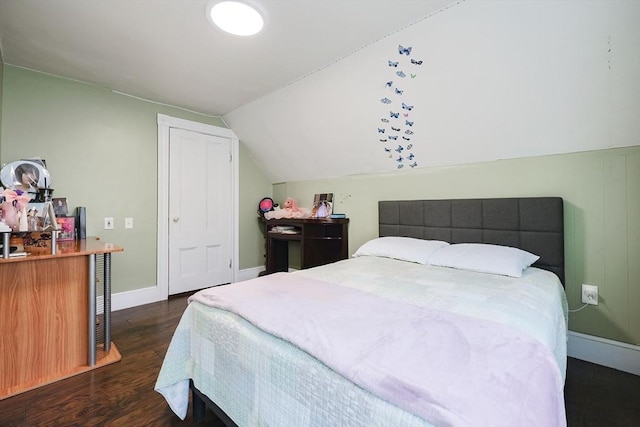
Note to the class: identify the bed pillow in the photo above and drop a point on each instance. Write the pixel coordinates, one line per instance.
(484, 258)
(402, 248)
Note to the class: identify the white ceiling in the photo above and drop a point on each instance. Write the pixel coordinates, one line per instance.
(167, 51)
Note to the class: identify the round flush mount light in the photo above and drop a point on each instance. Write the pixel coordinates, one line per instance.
(236, 18)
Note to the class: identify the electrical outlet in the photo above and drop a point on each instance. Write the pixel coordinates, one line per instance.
(108, 223)
(589, 294)
(128, 223)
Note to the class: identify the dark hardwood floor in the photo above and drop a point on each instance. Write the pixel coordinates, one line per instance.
(122, 394)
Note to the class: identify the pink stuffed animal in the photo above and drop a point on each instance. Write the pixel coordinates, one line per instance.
(290, 210)
(291, 204)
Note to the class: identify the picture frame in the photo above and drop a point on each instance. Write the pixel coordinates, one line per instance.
(38, 207)
(67, 227)
(322, 205)
(39, 210)
(60, 206)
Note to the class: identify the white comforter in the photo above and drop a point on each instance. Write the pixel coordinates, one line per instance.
(520, 382)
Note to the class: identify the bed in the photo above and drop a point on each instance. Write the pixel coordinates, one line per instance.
(454, 315)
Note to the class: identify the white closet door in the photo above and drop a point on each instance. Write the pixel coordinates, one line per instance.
(200, 223)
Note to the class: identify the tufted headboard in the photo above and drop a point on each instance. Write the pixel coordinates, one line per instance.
(534, 224)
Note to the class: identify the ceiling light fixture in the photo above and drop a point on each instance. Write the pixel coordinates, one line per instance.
(236, 18)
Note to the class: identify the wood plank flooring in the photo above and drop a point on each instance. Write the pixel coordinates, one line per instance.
(122, 394)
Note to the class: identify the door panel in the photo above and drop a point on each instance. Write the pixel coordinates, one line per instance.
(199, 211)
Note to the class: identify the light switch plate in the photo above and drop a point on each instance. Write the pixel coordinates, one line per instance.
(108, 223)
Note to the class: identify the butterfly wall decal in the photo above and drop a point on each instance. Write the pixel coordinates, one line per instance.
(406, 108)
(404, 50)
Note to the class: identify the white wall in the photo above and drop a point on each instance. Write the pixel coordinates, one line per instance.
(499, 80)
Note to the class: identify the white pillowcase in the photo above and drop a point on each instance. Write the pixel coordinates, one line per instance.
(402, 248)
(484, 258)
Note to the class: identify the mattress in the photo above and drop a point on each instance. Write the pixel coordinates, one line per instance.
(261, 379)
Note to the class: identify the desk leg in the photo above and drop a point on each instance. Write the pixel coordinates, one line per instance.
(107, 302)
(5, 245)
(92, 310)
(277, 255)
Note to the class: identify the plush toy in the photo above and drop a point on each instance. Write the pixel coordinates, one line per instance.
(291, 205)
(290, 210)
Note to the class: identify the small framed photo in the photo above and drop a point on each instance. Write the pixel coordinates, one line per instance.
(60, 206)
(67, 227)
(43, 213)
(37, 209)
(322, 205)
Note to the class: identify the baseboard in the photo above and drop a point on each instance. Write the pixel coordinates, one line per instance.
(602, 351)
(129, 299)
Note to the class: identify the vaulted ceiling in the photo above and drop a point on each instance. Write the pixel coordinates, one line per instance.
(167, 51)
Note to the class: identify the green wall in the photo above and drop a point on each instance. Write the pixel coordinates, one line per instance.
(101, 151)
(1, 74)
(253, 186)
(601, 192)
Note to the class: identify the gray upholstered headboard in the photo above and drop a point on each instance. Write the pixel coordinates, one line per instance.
(534, 224)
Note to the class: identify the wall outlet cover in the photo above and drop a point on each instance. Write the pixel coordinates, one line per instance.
(589, 294)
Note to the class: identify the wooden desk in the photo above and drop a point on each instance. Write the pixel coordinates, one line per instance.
(321, 242)
(48, 315)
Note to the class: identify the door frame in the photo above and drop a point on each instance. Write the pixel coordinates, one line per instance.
(165, 123)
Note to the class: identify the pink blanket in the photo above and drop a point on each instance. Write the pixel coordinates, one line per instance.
(446, 368)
